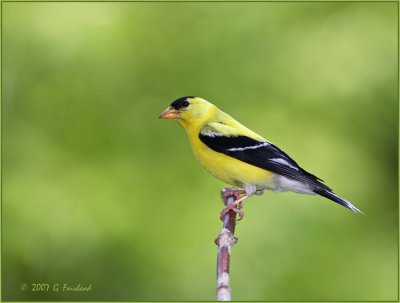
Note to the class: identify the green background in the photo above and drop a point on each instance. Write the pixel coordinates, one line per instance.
(97, 190)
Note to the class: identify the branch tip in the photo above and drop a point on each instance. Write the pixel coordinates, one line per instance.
(225, 241)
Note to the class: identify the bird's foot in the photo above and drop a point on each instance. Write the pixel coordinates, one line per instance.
(228, 192)
(234, 206)
(235, 209)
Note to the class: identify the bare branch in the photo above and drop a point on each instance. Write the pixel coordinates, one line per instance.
(225, 241)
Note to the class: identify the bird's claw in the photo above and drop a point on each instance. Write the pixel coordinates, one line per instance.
(239, 212)
(236, 205)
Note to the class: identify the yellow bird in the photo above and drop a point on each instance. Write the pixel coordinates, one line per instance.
(240, 157)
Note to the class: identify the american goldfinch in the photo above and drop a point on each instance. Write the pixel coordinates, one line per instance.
(240, 157)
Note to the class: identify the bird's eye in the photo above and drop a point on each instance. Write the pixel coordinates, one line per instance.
(185, 104)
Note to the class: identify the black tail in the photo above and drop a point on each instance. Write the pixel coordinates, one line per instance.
(331, 196)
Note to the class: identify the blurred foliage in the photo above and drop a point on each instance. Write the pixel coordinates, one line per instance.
(97, 190)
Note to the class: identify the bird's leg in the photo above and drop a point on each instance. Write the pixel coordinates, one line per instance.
(259, 192)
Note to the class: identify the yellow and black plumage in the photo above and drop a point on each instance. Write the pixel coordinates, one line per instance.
(239, 156)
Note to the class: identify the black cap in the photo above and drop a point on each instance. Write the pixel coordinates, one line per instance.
(181, 102)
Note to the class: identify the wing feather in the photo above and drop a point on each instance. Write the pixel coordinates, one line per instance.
(261, 154)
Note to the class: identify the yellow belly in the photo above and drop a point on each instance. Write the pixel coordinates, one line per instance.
(231, 170)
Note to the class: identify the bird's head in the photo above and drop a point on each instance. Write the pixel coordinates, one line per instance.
(189, 110)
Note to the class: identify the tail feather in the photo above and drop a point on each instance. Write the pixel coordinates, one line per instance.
(331, 196)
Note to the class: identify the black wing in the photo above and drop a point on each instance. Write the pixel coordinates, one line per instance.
(261, 154)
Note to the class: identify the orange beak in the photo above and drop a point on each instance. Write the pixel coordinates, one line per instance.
(170, 113)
